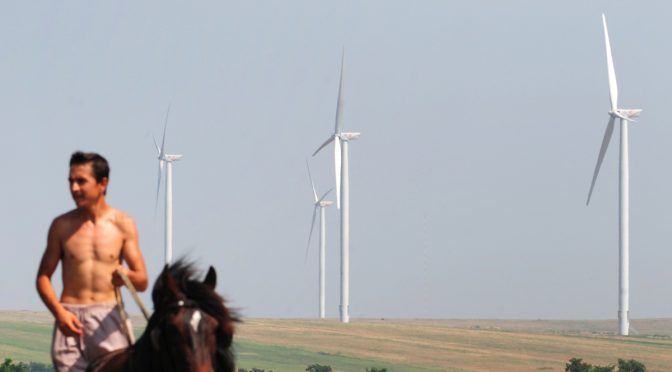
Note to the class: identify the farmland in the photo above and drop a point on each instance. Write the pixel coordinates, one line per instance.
(403, 345)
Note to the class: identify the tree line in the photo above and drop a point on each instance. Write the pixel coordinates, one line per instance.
(578, 365)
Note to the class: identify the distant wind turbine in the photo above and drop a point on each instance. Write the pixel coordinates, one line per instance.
(625, 115)
(320, 204)
(341, 140)
(168, 160)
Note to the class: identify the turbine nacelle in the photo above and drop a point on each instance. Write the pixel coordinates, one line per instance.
(626, 114)
(348, 136)
(171, 158)
(324, 203)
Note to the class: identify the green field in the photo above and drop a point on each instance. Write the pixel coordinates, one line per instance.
(402, 345)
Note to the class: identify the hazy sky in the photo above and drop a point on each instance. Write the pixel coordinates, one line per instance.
(481, 122)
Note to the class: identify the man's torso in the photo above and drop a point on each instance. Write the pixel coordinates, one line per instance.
(90, 254)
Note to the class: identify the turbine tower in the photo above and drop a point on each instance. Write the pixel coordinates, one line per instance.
(168, 160)
(341, 140)
(320, 204)
(625, 116)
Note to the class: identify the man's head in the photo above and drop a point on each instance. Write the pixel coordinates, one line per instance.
(89, 175)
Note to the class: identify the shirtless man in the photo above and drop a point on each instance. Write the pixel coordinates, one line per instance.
(91, 241)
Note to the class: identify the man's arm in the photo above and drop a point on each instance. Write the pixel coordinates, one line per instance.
(130, 252)
(67, 322)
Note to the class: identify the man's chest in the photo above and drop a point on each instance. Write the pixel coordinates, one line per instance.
(94, 242)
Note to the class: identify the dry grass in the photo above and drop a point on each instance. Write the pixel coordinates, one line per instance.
(487, 345)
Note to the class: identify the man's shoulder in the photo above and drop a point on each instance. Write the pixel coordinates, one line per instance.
(122, 219)
(63, 224)
(65, 218)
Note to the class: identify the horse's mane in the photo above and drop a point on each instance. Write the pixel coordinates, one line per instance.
(184, 274)
(185, 285)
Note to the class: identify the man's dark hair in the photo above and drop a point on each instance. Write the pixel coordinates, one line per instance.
(98, 163)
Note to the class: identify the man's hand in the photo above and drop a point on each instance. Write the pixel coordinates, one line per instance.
(69, 324)
(116, 278)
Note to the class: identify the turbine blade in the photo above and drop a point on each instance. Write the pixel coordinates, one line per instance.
(311, 181)
(324, 196)
(158, 186)
(328, 141)
(605, 143)
(339, 103)
(312, 226)
(613, 87)
(157, 146)
(337, 167)
(165, 125)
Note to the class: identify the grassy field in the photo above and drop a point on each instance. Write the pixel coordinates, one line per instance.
(403, 345)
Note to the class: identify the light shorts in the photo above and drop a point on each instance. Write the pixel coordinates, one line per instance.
(102, 333)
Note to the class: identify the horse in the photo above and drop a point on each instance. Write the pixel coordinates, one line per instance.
(190, 330)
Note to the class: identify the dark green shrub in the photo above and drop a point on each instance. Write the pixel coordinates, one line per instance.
(9, 366)
(577, 365)
(318, 368)
(630, 366)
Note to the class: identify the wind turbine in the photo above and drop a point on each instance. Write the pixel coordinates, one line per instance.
(168, 160)
(341, 140)
(625, 116)
(320, 204)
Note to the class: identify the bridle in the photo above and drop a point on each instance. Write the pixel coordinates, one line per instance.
(183, 303)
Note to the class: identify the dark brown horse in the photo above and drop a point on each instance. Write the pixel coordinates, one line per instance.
(190, 330)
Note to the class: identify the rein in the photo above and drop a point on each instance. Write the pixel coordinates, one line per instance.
(122, 310)
(134, 293)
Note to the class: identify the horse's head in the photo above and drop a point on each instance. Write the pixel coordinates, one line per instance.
(192, 330)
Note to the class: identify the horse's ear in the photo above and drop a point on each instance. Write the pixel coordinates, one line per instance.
(165, 276)
(170, 282)
(172, 290)
(211, 278)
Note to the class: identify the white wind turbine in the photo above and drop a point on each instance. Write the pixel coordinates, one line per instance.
(625, 115)
(168, 160)
(341, 140)
(320, 204)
